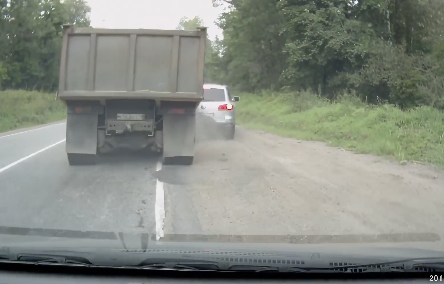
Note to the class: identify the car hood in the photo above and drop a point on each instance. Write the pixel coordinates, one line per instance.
(394, 245)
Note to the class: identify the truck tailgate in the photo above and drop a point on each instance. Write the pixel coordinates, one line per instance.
(132, 64)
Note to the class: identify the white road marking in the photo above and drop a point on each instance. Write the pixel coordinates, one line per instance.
(4, 136)
(159, 206)
(29, 156)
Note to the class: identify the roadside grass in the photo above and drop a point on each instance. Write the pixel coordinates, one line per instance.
(416, 135)
(20, 109)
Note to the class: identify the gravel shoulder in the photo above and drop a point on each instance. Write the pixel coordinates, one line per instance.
(263, 184)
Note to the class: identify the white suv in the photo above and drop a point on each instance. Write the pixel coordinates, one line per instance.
(218, 105)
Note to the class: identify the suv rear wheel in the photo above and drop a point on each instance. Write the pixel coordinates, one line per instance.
(231, 133)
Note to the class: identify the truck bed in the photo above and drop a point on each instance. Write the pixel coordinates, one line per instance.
(98, 64)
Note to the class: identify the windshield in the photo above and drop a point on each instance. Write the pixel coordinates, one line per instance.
(333, 133)
(214, 95)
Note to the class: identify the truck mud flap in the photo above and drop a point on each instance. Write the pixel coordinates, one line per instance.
(178, 139)
(81, 138)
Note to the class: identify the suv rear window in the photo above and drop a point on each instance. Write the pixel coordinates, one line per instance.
(214, 95)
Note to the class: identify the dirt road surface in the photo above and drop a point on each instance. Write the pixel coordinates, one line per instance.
(258, 185)
(263, 184)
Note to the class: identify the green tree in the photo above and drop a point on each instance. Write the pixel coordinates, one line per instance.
(30, 40)
(324, 41)
(252, 45)
(383, 49)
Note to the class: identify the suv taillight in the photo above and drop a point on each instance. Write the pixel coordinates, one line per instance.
(226, 107)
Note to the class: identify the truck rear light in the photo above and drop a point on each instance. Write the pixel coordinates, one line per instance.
(82, 109)
(225, 107)
(177, 110)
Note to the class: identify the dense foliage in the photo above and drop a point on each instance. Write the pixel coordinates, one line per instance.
(382, 50)
(30, 40)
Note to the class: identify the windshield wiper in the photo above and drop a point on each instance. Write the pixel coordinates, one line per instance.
(408, 266)
(177, 264)
(45, 259)
(205, 263)
(253, 268)
(414, 265)
(204, 266)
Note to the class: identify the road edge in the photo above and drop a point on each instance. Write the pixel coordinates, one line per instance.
(31, 128)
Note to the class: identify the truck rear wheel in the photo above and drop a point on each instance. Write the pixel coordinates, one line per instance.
(182, 160)
(81, 159)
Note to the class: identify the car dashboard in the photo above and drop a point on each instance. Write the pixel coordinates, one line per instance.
(63, 275)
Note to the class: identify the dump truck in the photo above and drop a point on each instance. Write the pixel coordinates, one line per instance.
(131, 88)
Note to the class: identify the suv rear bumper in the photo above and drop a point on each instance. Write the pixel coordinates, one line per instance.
(224, 127)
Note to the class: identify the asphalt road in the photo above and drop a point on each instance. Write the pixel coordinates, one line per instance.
(120, 193)
(256, 185)
(40, 190)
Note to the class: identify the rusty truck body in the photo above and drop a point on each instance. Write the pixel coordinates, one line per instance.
(131, 88)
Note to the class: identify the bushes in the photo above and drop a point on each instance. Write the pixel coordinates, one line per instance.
(22, 108)
(414, 135)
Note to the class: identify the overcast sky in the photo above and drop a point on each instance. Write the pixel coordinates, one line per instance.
(152, 14)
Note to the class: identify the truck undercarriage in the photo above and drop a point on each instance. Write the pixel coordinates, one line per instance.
(101, 127)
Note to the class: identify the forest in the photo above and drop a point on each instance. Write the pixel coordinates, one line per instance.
(378, 50)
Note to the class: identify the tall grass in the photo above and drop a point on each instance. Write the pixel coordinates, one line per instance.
(414, 135)
(22, 109)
